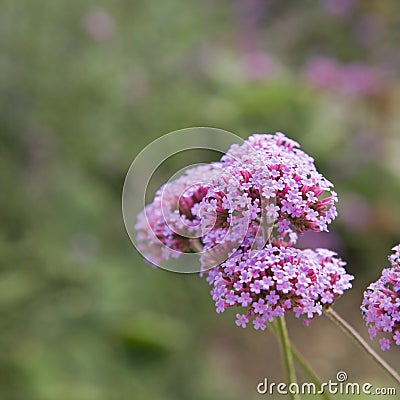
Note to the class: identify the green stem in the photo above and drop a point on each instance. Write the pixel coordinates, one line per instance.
(346, 327)
(302, 363)
(287, 354)
(298, 358)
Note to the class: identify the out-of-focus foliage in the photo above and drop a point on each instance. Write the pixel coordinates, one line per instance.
(85, 85)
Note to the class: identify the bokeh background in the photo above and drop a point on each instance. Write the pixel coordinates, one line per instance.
(85, 85)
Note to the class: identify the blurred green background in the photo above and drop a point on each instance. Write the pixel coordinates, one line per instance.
(85, 85)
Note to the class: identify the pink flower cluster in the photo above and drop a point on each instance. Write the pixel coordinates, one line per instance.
(272, 178)
(167, 226)
(270, 282)
(381, 304)
(246, 213)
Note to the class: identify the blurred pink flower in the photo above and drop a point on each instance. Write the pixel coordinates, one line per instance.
(313, 240)
(259, 65)
(322, 72)
(351, 79)
(340, 8)
(358, 79)
(99, 25)
(355, 211)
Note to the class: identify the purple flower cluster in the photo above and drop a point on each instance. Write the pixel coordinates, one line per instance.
(167, 226)
(246, 213)
(270, 282)
(277, 176)
(381, 304)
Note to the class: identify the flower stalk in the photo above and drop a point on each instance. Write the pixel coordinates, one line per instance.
(346, 327)
(287, 354)
(302, 363)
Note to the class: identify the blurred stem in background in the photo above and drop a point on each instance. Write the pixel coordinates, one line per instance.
(346, 327)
